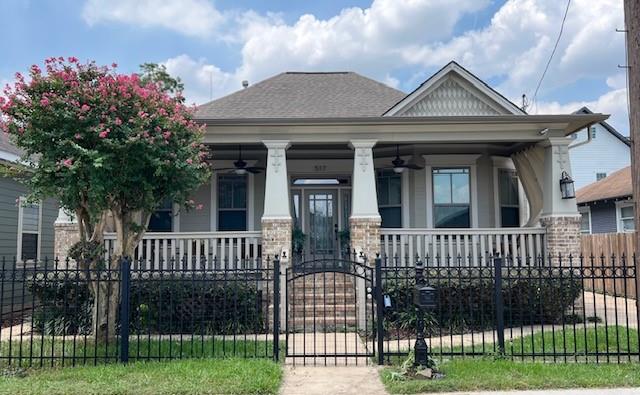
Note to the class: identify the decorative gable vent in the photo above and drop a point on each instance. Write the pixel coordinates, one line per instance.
(449, 99)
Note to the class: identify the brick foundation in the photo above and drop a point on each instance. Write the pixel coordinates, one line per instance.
(563, 237)
(66, 235)
(276, 238)
(365, 236)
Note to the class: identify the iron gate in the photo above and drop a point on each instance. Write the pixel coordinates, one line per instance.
(331, 311)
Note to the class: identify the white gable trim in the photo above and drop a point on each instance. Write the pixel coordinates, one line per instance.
(466, 80)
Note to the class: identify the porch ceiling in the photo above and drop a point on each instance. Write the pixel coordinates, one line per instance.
(447, 129)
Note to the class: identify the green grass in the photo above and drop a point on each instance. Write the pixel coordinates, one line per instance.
(58, 353)
(589, 340)
(483, 374)
(222, 376)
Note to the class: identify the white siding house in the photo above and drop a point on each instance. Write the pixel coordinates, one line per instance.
(606, 152)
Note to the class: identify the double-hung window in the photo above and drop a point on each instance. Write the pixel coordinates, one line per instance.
(585, 219)
(162, 219)
(232, 202)
(626, 222)
(509, 199)
(28, 230)
(389, 186)
(451, 197)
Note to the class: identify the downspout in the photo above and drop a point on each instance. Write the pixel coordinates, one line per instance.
(583, 142)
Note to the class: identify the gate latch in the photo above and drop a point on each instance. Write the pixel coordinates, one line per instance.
(387, 301)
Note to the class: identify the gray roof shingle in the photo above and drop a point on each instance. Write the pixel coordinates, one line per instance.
(305, 95)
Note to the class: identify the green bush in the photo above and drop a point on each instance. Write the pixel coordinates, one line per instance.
(466, 301)
(173, 304)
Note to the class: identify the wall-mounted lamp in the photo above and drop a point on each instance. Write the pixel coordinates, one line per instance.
(567, 189)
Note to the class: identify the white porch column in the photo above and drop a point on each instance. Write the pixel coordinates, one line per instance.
(276, 218)
(365, 219)
(559, 216)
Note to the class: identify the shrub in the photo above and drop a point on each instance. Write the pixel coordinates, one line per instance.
(171, 304)
(466, 301)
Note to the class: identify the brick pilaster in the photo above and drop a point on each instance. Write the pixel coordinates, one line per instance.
(365, 236)
(562, 237)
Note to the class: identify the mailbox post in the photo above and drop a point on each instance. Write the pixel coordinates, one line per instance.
(424, 298)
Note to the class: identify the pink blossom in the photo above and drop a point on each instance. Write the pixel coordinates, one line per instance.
(35, 69)
(44, 102)
(67, 162)
(118, 121)
(73, 59)
(200, 206)
(189, 161)
(114, 65)
(78, 136)
(103, 134)
(166, 135)
(85, 108)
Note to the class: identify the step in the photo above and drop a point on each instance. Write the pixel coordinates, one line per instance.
(322, 309)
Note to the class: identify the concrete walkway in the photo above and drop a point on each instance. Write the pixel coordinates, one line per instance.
(340, 380)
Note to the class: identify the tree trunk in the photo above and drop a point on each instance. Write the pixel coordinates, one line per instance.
(105, 307)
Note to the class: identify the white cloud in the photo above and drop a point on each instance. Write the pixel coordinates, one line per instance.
(198, 18)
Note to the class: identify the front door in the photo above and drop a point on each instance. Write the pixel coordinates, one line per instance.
(322, 225)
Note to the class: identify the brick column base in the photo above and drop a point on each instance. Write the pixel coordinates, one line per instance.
(66, 234)
(563, 237)
(276, 238)
(365, 236)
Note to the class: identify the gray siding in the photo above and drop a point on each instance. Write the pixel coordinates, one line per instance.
(198, 220)
(486, 213)
(603, 217)
(11, 190)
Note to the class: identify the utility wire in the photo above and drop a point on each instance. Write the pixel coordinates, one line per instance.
(555, 47)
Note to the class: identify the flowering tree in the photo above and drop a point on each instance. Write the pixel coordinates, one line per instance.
(108, 147)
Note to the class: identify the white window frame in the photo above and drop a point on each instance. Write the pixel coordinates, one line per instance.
(619, 206)
(21, 201)
(469, 161)
(248, 204)
(585, 210)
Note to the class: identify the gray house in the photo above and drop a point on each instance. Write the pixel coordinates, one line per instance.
(26, 230)
(606, 205)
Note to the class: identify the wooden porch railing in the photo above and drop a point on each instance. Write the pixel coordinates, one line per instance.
(471, 247)
(196, 250)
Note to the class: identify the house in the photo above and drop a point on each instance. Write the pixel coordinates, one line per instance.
(452, 170)
(597, 151)
(606, 206)
(26, 229)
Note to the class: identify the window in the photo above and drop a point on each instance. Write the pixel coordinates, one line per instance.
(592, 131)
(509, 200)
(451, 196)
(28, 230)
(574, 136)
(389, 185)
(232, 202)
(626, 221)
(585, 219)
(162, 219)
(295, 208)
(600, 176)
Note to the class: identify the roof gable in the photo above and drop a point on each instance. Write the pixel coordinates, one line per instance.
(453, 91)
(609, 128)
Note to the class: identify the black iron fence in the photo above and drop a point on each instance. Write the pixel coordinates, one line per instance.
(559, 309)
(57, 314)
(551, 309)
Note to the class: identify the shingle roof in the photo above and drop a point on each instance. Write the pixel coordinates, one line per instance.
(305, 95)
(611, 129)
(615, 185)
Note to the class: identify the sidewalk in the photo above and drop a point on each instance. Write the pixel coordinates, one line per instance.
(340, 380)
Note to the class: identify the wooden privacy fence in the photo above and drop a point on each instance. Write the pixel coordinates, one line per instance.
(610, 250)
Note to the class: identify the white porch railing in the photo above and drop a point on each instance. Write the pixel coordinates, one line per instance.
(471, 246)
(193, 250)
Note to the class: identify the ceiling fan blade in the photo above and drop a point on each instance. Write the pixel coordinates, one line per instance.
(254, 170)
(413, 166)
(224, 169)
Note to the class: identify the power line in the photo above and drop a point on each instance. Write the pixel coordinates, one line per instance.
(555, 47)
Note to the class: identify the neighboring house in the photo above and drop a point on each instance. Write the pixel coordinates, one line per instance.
(26, 230)
(597, 152)
(606, 205)
(452, 169)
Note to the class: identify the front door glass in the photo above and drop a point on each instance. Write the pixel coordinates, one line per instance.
(322, 213)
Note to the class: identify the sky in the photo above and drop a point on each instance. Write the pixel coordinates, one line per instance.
(213, 45)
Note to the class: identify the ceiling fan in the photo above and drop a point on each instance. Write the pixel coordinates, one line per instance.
(399, 164)
(240, 167)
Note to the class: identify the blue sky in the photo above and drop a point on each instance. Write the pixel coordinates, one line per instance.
(214, 45)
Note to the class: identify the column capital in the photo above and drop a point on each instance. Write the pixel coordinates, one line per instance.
(555, 141)
(365, 143)
(276, 144)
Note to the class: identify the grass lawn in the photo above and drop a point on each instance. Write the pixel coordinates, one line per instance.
(58, 352)
(485, 374)
(214, 376)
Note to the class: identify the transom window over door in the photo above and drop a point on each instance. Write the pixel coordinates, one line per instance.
(389, 186)
(232, 202)
(451, 197)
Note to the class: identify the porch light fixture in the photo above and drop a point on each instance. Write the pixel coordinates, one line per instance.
(567, 189)
(240, 171)
(398, 170)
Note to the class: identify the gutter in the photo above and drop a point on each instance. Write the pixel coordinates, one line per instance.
(589, 138)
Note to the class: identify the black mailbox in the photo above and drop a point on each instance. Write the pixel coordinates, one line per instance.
(426, 297)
